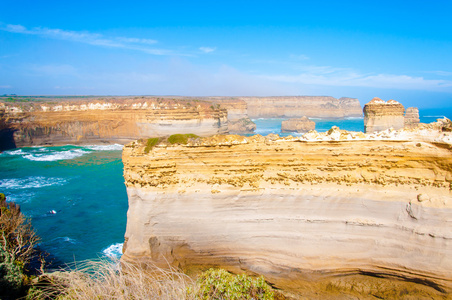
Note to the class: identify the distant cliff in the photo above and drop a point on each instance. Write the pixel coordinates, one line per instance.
(335, 209)
(110, 120)
(298, 106)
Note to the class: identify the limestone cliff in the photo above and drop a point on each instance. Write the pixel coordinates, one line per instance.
(300, 125)
(110, 120)
(329, 212)
(380, 115)
(298, 106)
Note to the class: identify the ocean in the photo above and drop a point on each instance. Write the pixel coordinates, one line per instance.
(76, 197)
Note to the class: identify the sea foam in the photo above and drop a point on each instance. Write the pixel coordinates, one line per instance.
(105, 147)
(56, 155)
(113, 251)
(30, 182)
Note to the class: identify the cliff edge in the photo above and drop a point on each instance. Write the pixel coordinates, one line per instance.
(345, 209)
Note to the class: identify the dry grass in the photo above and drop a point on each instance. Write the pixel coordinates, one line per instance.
(113, 280)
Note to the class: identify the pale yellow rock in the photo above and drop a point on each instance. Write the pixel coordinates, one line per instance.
(295, 211)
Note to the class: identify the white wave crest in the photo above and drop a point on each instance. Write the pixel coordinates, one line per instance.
(14, 152)
(113, 251)
(57, 155)
(30, 182)
(65, 239)
(105, 147)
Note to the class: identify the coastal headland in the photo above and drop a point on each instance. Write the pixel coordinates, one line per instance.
(337, 211)
(34, 121)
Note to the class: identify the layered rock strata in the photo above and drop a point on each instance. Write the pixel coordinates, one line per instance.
(380, 115)
(300, 125)
(109, 121)
(295, 107)
(411, 117)
(300, 213)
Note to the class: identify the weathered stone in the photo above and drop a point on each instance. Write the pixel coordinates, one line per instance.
(380, 115)
(411, 117)
(243, 125)
(423, 197)
(294, 211)
(300, 125)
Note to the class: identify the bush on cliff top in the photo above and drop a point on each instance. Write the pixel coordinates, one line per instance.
(181, 138)
(17, 243)
(220, 284)
(151, 142)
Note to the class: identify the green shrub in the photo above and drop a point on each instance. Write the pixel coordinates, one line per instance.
(181, 138)
(220, 284)
(11, 276)
(151, 142)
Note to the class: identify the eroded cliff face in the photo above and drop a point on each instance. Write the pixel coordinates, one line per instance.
(302, 214)
(109, 121)
(298, 106)
(380, 115)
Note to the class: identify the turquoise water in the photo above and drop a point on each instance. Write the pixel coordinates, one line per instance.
(85, 187)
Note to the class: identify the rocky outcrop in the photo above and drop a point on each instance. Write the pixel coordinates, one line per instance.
(346, 210)
(298, 106)
(243, 125)
(380, 115)
(300, 125)
(411, 117)
(110, 120)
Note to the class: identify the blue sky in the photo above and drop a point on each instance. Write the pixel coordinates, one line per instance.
(398, 50)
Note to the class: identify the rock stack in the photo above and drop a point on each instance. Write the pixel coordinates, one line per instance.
(411, 117)
(380, 115)
(300, 125)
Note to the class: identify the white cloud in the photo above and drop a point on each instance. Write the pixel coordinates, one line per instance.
(5, 86)
(342, 77)
(207, 49)
(96, 39)
(440, 73)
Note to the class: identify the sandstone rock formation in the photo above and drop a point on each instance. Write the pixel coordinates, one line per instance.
(380, 115)
(295, 107)
(411, 117)
(243, 125)
(111, 120)
(302, 213)
(300, 125)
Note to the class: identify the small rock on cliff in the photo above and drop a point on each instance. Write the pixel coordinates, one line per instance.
(300, 125)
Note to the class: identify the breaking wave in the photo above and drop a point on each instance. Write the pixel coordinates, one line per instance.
(113, 251)
(30, 182)
(65, 239)
(55, 155)
(105, 147)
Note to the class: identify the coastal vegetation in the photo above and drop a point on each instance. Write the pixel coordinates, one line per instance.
(181, 139)
(17, 250)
